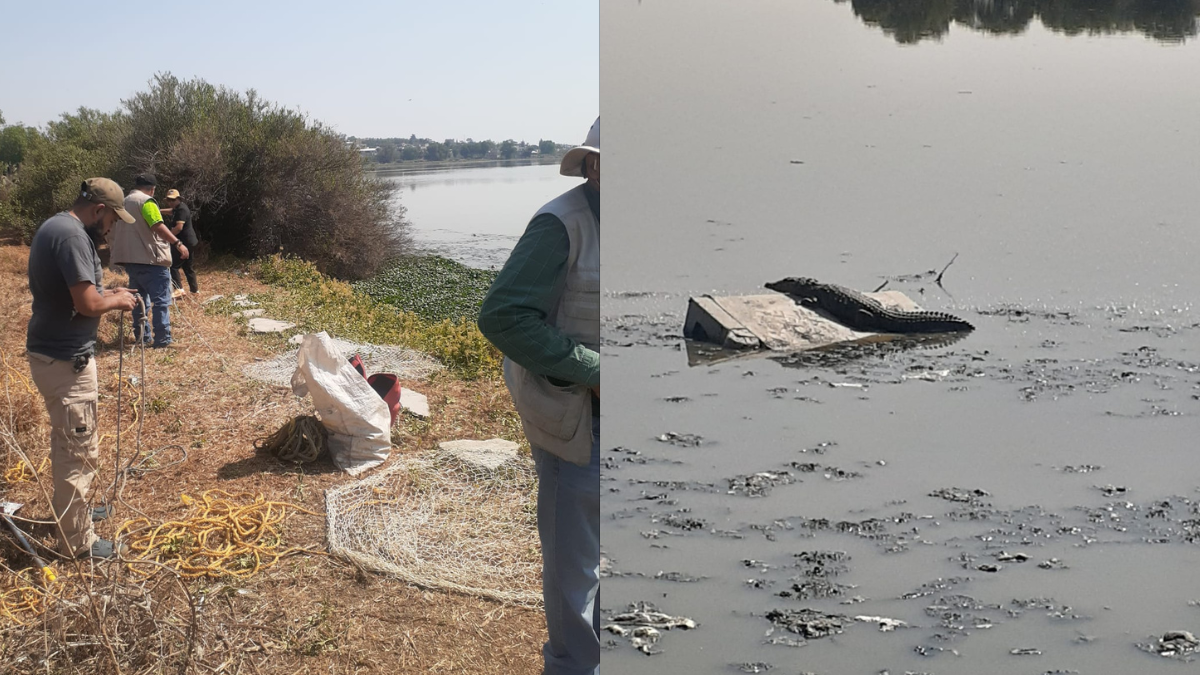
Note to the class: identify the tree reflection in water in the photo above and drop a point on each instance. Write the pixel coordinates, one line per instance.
(910, 21)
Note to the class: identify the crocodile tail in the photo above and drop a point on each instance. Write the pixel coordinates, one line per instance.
(941, 322)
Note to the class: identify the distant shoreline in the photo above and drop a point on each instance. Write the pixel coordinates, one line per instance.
(415, 165)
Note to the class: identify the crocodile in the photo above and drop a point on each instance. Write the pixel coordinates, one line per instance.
(862, 313)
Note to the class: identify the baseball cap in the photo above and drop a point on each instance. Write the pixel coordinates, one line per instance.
(145, 179)
(106, 192)
(172, 194)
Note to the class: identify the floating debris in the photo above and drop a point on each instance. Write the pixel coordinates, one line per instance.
(885, 624)
(1174, 644)
(643, 624)
(1025, 651)
(682, 440)
(759, 484)
(809, 623)
(1082, 468)
(954, 494)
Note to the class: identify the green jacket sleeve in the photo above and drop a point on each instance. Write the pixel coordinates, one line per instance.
(151, 213)
(514, 312)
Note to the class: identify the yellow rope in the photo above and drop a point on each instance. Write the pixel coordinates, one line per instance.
(22, 600)
(221, 537)
(23, 473)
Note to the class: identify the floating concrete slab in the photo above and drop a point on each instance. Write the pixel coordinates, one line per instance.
(414, 402)
(261, 325)
(490, 454)
(726, 327)
(773, 321)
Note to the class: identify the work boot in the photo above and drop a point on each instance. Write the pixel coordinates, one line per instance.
(101, 512)
(103, 549)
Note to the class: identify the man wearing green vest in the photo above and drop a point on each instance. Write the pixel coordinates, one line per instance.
(143, 248)
(543, 313)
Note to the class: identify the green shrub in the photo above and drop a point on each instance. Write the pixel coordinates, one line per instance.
(260, 178)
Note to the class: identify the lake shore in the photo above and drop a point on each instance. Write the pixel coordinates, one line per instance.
(420, 165)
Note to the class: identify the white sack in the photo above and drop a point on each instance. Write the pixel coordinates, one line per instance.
(356, 417)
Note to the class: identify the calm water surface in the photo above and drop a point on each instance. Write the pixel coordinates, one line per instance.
(475, 216)
(1032, 487)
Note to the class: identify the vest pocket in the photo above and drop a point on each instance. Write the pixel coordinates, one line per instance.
(553, 409)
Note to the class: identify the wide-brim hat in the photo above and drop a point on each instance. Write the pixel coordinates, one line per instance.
(172, 194)
(572, 162)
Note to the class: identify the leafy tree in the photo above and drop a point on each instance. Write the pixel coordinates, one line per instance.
(436, 152)
(508, 149)
(410, 152)
(546, 147)
(386, 153)
(14, 142)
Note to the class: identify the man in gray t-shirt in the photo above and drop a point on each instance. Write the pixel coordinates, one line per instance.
(68, 301)
(61, 256)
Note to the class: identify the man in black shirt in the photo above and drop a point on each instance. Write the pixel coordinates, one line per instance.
(179, 218)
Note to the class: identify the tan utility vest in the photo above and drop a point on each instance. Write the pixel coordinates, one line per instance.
(135, 242)
(559, 419)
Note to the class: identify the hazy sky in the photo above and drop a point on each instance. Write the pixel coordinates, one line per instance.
(440, 69)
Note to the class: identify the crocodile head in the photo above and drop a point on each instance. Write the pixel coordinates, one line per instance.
(793, 285)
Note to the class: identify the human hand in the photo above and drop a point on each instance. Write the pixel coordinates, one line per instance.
(183, 252)
(124, 300)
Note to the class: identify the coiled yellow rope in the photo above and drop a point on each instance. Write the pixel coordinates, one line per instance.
(237, 535)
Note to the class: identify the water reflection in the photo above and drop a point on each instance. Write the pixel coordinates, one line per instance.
(876, 346)
(910, 22)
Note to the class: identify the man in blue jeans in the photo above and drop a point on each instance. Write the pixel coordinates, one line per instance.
(543, 313)
(143, 247)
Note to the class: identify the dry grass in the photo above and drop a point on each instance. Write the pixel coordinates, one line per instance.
(307, 614)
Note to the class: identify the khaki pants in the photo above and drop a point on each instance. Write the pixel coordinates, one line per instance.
(74, 446)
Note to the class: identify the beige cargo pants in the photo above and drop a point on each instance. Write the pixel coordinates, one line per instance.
(74, 446)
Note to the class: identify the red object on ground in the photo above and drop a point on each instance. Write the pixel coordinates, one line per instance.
(388, 388)
(358, 365)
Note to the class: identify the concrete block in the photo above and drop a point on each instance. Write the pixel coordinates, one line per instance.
(414, 402)
(489, 454)
(261, 325)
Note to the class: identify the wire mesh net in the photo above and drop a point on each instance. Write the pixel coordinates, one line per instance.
(445, 519)
(402, 362)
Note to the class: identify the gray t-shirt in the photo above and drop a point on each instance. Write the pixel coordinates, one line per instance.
(61, 256)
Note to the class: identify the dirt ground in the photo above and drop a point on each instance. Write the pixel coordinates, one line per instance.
(309, 613)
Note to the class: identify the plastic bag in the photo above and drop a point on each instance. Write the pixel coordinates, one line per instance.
(356, 418)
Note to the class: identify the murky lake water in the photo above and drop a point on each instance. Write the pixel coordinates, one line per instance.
(475, 216)
(1032, 487)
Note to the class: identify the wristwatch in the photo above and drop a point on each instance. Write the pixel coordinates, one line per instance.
(178, 243)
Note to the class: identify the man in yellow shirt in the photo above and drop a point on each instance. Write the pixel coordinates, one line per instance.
(143, 248)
